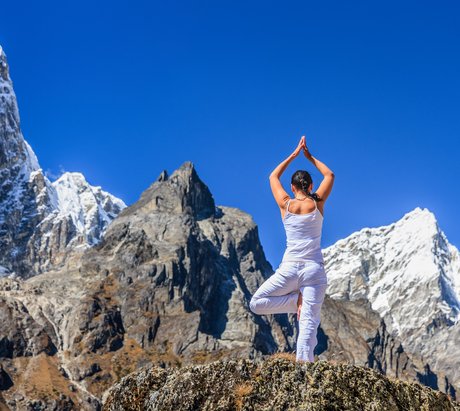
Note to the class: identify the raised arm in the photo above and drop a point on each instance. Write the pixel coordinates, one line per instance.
(277, 189)
(325, 187)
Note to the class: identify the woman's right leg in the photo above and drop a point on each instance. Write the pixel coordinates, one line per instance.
(279, 293)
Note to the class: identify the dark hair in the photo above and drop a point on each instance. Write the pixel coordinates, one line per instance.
(301, 179)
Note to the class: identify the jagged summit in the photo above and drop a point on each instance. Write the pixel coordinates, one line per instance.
(418, 211)
(181, 192)
(419, 215)
(90, 208)
(416, 225)
(187, 173)
(187, 165)
(195, 194)
(163, 176)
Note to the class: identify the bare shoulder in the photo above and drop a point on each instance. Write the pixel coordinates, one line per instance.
(283, 207)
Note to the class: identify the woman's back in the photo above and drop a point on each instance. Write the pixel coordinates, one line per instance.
(303, 233)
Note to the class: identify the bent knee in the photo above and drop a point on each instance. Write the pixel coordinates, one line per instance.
(253, 305)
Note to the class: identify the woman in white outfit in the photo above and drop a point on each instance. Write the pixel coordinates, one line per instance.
(299, 284)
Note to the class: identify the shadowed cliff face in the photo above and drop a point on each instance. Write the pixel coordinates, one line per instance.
(184, 269)
(168, 283)
(275, 384)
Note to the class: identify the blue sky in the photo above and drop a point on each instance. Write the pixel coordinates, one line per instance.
(122, 90)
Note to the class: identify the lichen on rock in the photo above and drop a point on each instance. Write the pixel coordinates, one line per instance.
(277, 383)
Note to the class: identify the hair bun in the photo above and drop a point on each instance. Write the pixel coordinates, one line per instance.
(301, 179)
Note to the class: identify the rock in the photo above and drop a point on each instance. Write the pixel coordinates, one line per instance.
(5, 380)
(278, 383)
(21, 334)
(62, 404)
(84, 371)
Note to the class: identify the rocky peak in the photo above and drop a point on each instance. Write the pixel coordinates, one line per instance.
(90, 208)
(420, 224)
(182, 192)
(163, 176)
(195, 194)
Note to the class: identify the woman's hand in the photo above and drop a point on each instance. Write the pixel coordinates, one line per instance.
(325, 187)
(306, 151)
(299, 147)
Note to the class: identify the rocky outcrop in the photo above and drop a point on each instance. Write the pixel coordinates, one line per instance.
(41, 221)
(275, 384)
(21, 334)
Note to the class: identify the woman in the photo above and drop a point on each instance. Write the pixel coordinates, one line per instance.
(299, 283)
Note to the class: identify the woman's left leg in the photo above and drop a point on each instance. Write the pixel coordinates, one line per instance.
(279, 293)
(312, 300)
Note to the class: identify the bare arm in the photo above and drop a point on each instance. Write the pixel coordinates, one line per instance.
(325, 187)
(277, 189)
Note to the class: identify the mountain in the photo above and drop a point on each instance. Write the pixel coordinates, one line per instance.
(397, 289)
(91, 289)
(169, 283)
(41, 221)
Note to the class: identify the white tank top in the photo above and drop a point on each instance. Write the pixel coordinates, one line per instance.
(303, 235)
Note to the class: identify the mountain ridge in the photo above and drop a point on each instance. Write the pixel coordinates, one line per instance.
(41, 222)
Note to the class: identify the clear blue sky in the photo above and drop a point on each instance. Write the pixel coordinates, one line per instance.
(122, 90)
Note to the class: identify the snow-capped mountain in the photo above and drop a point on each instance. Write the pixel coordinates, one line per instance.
(397, 264)
(40, 220)
(410, 275)
(90, 208)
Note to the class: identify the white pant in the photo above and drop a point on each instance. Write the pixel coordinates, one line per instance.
(279, 294)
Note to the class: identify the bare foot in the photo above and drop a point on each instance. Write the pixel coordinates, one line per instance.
(299, 306)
